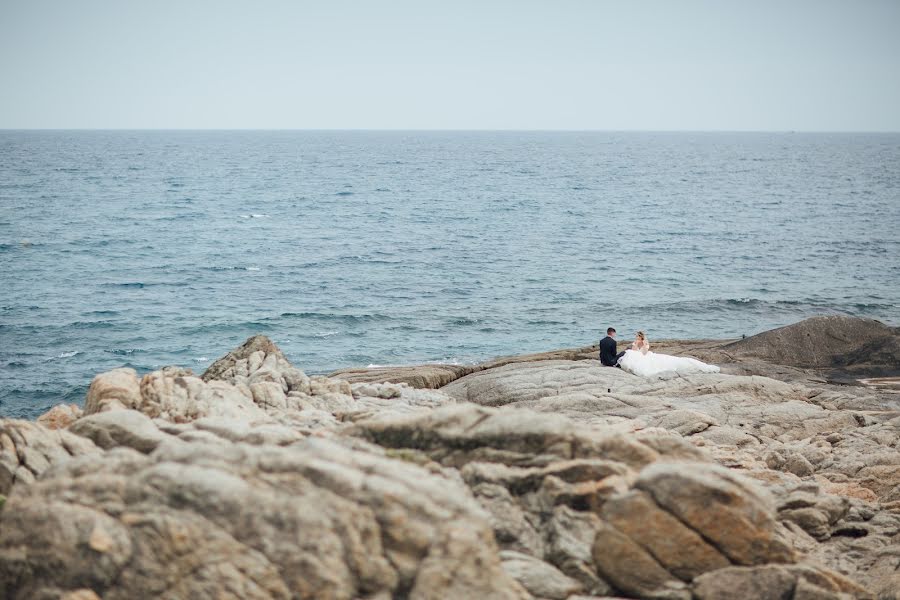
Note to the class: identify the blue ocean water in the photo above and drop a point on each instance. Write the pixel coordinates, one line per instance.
(147, 248)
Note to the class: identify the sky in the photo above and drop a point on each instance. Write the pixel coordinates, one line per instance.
(820, 65)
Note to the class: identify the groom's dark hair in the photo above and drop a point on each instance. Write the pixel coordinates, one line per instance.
(610, 330)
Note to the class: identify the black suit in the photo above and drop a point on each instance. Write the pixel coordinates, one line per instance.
(608, 354)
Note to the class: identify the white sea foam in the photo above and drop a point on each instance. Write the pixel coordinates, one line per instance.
(68, 354)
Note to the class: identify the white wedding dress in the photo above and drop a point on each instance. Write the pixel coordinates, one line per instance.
(650, 364)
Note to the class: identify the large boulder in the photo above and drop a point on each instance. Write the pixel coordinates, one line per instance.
(457, 434)
(28, 449)
(817, 342)
(258, 360)
(60, 416)
(315, 519)
(125, 428)
(719, 407)
(776, 582)
(599, 510)
(256, 384)
(119, 388)
(731, 513)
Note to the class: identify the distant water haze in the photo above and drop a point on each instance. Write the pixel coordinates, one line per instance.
(148, 248)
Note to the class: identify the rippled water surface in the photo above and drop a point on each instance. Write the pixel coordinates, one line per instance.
(354, 248)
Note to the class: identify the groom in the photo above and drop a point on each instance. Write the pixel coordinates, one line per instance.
(608, 355)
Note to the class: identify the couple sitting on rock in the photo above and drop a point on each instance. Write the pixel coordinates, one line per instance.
(640, 361)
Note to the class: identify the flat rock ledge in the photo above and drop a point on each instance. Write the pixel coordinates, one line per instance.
(542, 476)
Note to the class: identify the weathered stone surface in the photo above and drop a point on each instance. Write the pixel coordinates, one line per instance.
(733, 514)
(28, 449)
(128, 428)
(177, 395)
(119, 388)
(569, 540)
(757, 583)
(457, 434)
(681, 550)
(697, 404)
(60, 416)
(311, 520)
(539, 578)
(630, 568)
(423, 376)
(438, 375)
(816, 342)
(256, 384)
(257, 481)
(774, 582)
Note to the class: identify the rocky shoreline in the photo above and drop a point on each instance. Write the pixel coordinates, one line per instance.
(543, 476)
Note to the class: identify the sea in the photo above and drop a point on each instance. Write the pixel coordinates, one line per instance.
(360, 248)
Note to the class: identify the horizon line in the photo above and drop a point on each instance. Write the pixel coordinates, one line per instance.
(450, 130)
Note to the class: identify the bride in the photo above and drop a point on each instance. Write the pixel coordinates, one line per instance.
(640, 361)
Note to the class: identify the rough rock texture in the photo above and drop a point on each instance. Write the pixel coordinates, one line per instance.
(424, 376)
(539, 476)
(255, 385)
(128, 428)
(839, 348)
(312, 520)
(612, 511)
(119, 388)
(437, 375)
(830, 464)
(60, 416)
(28, 449)
(817, 342)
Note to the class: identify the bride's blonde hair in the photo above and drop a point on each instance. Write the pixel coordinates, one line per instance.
(641, 335)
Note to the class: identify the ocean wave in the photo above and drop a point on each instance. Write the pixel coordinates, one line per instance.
(86, 325)
(221, 329)
(123, 351)
(69, 354)
(143, 284)
(254, 216)
(743, 301)
(543, 322)
(463, 321)
(795, 309)
(235, 268)
(345, 318)
(403, 328)
(126, 284)
(873, 306)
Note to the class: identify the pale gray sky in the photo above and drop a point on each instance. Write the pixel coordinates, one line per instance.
(454, 64)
